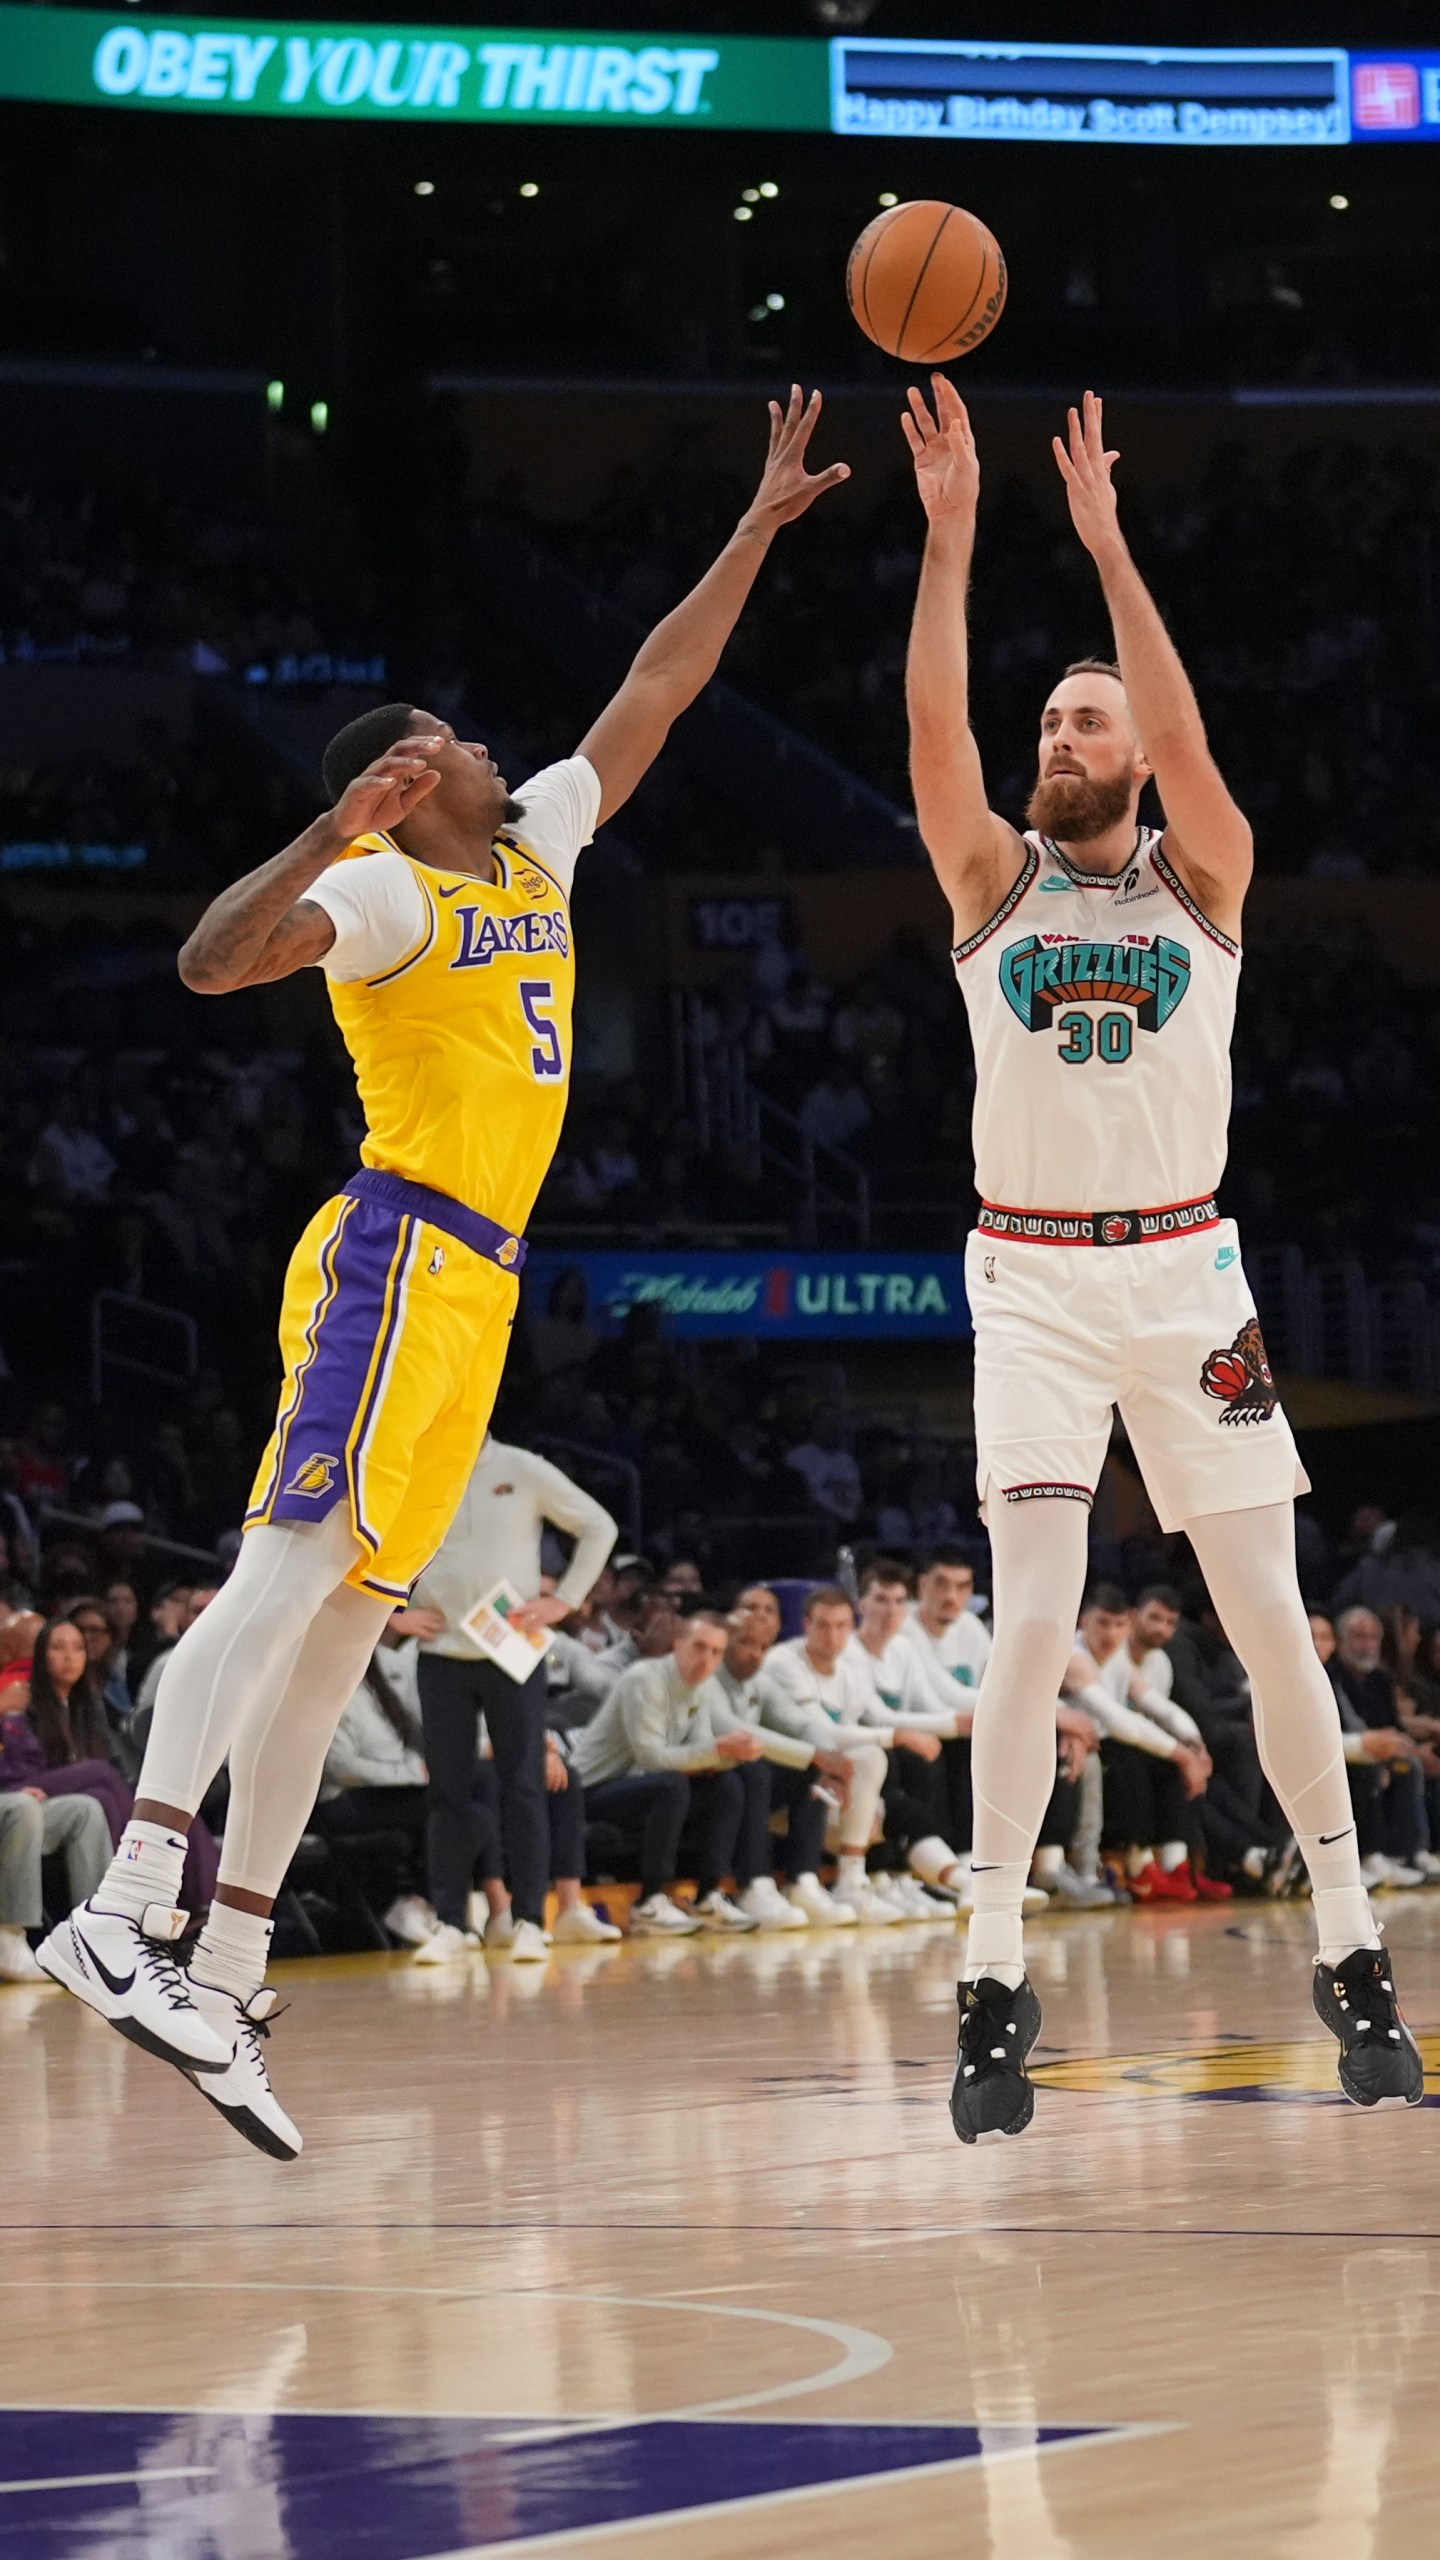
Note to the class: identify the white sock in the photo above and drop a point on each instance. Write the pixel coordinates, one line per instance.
(1173, 1854)
(1253, 1862)
(1343, 1915)
(852, 1871)
(1046, 1864)
(994, 1940)
(146, 1868)
(1137, 1860)
(232, 1951)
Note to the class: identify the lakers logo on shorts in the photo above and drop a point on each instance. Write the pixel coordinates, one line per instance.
(506, 1252)
(313, 1476)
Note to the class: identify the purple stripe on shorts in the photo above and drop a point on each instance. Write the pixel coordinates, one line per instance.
(332, 1391)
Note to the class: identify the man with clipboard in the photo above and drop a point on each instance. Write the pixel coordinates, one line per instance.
(472, 1665)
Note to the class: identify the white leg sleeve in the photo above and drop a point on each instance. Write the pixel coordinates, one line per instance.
(238, 1657)
(1038, 1550)
(279, 1751)
(1248, 1560)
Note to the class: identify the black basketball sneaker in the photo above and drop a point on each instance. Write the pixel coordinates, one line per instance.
(1380, 2062)
(992, 2092)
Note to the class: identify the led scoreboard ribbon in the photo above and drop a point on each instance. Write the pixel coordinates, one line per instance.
(970, 91)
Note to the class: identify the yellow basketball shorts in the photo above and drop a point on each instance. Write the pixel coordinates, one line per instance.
(394, 1328)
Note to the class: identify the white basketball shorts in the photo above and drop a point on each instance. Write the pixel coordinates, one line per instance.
(1165, 1331)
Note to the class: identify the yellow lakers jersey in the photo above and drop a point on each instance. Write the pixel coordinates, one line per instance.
(462, 1048)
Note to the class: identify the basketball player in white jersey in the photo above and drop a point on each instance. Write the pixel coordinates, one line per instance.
(1098, 960)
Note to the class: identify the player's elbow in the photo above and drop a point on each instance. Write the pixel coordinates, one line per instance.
(201, 972)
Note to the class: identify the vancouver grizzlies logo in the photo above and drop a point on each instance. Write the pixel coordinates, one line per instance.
(1148, 976)
(1241, 1378)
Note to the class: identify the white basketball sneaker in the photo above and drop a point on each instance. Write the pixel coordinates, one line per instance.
(582, 1926)
(17, 1964)
(871, 1909)
(528, 1944)
(914, 1903)
(446, 1943)
(410, 1919)
(123, 1969)
(243, 2093)
(717, 1911)
(659, 1917)
(766, 1905)
(821, 1909)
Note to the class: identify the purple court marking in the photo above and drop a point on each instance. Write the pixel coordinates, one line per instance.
(367, 2488)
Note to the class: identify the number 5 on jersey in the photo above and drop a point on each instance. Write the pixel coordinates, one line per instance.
(547, 1058)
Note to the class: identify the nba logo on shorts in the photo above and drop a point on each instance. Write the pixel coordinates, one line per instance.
(313, 1476)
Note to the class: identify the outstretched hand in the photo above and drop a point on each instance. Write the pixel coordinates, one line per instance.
(786, 487)
(947, 466)
(1085, 468)
(384, 795)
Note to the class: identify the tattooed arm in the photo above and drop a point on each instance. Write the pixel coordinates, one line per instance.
(264, 927)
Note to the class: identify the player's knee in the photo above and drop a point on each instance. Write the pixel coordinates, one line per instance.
(671, 1788)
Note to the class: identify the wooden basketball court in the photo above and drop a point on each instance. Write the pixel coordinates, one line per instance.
(671, 2247)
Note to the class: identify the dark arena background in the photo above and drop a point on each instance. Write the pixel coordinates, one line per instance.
(343, 364)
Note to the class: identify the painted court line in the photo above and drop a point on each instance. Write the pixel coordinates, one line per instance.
(679, 2519)
(107, 2479)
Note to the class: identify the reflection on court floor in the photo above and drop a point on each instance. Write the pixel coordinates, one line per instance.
(1301, 2074)
(101, 2483)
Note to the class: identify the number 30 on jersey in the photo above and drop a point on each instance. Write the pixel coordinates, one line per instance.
(1108, 1039)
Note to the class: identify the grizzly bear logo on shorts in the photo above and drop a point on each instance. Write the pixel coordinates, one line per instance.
(1241, 1378)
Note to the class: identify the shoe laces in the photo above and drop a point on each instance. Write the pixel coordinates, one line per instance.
(983, 2036)
(164, 1973)
(1377, 1990)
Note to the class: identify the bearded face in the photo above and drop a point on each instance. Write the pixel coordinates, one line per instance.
(1072, 807)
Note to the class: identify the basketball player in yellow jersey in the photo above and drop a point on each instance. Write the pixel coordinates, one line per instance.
(438, 907)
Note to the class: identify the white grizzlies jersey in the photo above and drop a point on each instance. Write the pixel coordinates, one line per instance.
(1101, 1011)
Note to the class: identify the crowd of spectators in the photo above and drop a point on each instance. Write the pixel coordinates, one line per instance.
(153, 577)
(1304, 651)
(688, 1713)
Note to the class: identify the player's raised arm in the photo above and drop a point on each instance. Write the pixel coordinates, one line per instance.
(683, 652)
(1206, 836)
(975, 854)
(264, 927)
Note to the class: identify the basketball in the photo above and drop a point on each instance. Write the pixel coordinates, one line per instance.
(926, 281)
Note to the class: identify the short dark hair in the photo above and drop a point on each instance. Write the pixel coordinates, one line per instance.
(1107, 1596)
(884, 1570)
(1091, 667)
(828, 1595)
(1165, 1593)
(954, 1559)
(361, 741)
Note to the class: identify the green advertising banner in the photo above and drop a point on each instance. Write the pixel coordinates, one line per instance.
(484, 75)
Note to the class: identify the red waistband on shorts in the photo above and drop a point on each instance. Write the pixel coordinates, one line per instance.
(1098, 1226)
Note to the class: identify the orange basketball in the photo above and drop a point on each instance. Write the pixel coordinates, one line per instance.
(926, 281)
